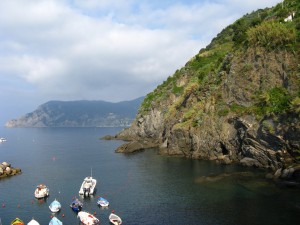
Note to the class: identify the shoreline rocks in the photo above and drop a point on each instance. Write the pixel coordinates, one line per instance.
(6, 170)
(288, 177)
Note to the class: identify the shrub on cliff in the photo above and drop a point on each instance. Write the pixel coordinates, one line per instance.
(272, 35)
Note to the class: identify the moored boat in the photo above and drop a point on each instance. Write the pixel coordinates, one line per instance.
(2, 139)
(76, 205)
(41, 191)
(55, 221)
(115, 219)
(88, 219)
(55, 206)
(17, 221)
(33, 222)
(88, 186)
(102, 202)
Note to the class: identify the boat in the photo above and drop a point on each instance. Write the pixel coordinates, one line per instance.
(55, 206)
(41, 191)
(2, 139)
(115, 219)
(88, 219)
(76, 205)
(55, 221)
(102, 202)
(33, 222)
(17, 221)
(88, 186)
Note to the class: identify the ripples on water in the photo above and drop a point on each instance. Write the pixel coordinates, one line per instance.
(143, 188)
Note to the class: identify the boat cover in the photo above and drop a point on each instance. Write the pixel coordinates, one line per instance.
(55, 206)
(55, 221)
(102, 201)
(33, 222)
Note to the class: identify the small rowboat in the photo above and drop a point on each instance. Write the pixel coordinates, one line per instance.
(55, 206)
(115, 219)
(17, 221)
(102, 202)
(88, 219)
(55, 221)
(33, 222)
(41, 191)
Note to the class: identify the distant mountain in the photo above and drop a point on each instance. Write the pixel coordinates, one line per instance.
(80, 114)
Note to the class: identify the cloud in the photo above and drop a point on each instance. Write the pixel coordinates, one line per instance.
(110, 50)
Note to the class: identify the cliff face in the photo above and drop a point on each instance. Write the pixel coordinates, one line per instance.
(238, 100)
(80, 114)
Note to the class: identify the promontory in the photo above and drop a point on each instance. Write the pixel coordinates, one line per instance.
(236, 101)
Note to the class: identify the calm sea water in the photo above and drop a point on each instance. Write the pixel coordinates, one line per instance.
(143, 188)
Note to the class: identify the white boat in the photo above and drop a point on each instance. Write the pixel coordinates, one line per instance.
(2, 139)
(55, 221)
(55, 206)
(33, 222)
(87, 218)
(102, 202)
(115, 219)
(41, 191)
(88, 186)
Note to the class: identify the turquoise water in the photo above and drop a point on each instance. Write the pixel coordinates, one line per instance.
(143, 188)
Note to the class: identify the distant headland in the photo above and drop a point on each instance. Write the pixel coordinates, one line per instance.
(80, 114)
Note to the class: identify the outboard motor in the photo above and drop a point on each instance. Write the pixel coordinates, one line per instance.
(86, 191)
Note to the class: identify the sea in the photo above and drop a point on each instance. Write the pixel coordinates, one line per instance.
(143, 188)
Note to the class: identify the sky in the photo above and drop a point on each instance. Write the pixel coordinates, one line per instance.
(111, 50)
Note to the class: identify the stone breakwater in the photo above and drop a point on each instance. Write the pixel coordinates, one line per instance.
(6, 170)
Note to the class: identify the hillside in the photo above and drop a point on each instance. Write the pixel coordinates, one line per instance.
(80, 114)
(237, 100)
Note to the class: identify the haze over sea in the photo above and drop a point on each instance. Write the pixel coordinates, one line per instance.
(143, 188)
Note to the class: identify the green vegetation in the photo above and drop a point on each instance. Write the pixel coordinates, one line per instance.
(268, 126)
(274, 101)
(295, 105)
(272, 35)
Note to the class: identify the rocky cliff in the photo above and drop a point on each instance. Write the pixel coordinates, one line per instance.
(236, 101)
(80, 114)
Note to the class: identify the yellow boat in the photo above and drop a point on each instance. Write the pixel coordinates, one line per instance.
(17, 221)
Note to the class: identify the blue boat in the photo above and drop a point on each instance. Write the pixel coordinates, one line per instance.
(55, 221)
(76, 205)
(102, 202)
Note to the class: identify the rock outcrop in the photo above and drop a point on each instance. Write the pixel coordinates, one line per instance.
(7, 170)
(237, 101)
